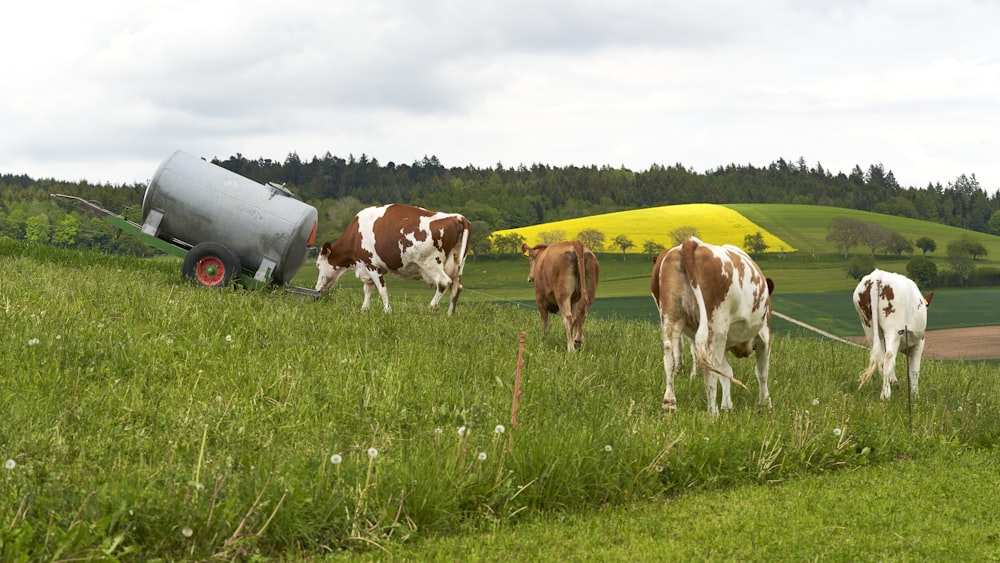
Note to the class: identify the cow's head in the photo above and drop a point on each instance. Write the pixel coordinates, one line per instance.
(532, 252)
(330, 268)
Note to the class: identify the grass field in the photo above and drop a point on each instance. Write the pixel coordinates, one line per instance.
(148, 419)
(145, 418)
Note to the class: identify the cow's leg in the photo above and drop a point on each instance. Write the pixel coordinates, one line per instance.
(456, 289)
(368, 284)
(672, 348)
(543, 313)
(914, 354)
(718, 360)
(383, 292)
(441, 284)
(711, 380)
(887, 365)
(762, 353)
(579, 316)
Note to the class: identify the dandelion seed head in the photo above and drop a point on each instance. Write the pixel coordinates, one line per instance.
(11, 464)
(816, 401)
(372, 452)
(607, 448)
(438, 431)
(229, 338)
(33, 342)
(462, 430)
(837, 431)
(481, 456)
(187, 532)
(499, 429)
(58, 337)
(336, 459)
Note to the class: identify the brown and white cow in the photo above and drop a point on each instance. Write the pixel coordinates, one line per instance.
(717, 297)
(893, 314)
(565, 275)
(410, 242)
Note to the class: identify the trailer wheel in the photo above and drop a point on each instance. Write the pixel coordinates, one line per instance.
(211, 264)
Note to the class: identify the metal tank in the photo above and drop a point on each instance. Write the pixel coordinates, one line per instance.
(199, 203)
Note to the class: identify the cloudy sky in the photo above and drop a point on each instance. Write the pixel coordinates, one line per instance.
(106, 90)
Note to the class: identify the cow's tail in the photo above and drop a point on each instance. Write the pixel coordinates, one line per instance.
(463, 246)
(580, 266)
(876, 351)
(701, 344)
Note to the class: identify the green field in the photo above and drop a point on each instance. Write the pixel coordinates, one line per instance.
(148, 419)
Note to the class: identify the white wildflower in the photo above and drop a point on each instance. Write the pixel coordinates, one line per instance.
(462, 430)
(336, 459)
(816, 402)
(607, 448)
(187, 532)
(11, 464)
(229, 338)
(837, 431)
(499, 429)
(372, 452)
(481, 456)
(33, 342)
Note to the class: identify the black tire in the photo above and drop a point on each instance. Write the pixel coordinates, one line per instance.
(211, 264)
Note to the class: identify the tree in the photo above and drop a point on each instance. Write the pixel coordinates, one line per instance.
(592, 239)
(994, 223)
(859, 267)
(37, 229)
(897, 244)
(652, 249)
(874, 236)
(552, 237)
(922, 271)
(479, 240)
(755, 243)
(624, 243)
(507, 244)
(66, 230)
(845, 232)
(960, 260)
(681, 233)
(926, 244)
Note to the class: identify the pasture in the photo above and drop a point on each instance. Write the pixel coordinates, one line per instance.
(146, 418)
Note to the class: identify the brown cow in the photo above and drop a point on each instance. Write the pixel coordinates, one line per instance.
(410, 242)
(565, 276)
(718, 297)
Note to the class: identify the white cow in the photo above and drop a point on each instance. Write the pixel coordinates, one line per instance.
(893, 314)
(717, 297)
(410, 242)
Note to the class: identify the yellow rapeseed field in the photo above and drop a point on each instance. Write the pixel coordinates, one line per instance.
(715, 224)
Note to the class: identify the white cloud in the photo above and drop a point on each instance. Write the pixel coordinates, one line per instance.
(104, 91)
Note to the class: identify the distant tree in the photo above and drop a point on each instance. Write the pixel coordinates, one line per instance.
(592, 239)
(897, 244)
(37, 229)
(994, 223)
(624, 243)
(923, 271)
(874, 236)
(681, 233)
(960, 260)
(859, 267)
(926, 244)
(507, 244)
(551, 237)
(845, 232)
(652, 249)
(66, 230)
(755, 243)
(480, 240)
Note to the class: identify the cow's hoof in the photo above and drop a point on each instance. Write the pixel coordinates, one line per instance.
(669, 407)
(577, 344)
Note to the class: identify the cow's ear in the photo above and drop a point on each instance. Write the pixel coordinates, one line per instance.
(927, 299)
(327, 249)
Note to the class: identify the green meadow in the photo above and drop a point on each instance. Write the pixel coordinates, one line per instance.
(148, 419)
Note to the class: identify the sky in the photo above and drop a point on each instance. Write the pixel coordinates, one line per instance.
(106, 90)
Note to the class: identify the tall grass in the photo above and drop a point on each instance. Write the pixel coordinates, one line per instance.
(143, 417)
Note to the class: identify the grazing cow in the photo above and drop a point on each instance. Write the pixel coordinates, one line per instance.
(410, 242)
(718, 298)
(893, 314)
(565, 275)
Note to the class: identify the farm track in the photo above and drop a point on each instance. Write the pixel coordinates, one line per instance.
(973, 343)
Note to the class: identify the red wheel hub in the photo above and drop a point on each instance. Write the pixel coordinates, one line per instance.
(210, 271)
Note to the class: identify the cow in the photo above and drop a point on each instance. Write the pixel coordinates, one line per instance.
(565, 276)
(717, 297)
(409, 242)
(893, 315)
